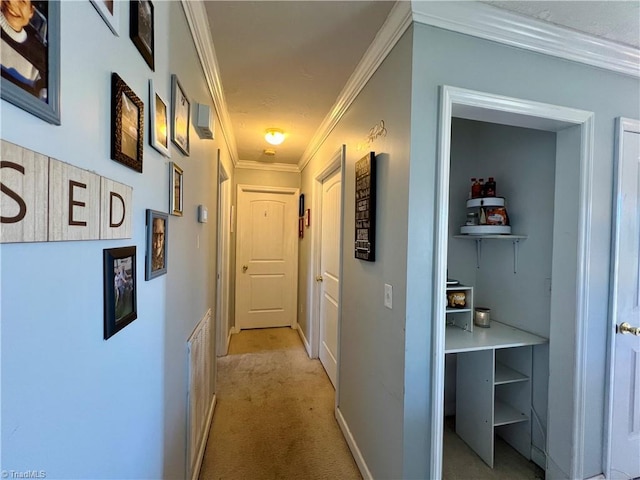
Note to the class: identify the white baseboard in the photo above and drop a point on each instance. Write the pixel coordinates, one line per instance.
(306, 344)
(538, 457)
(597, 477)
(203, 442)
(355, 451)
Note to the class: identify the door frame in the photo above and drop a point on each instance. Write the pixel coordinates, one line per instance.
(223, 332)
(622, 125)
(244, 188)
(515, 110)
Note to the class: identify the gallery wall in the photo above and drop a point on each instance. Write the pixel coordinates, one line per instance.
(73, 404)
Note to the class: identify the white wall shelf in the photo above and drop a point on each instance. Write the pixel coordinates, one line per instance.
(505, 414)
(478, 239)
(461, 318)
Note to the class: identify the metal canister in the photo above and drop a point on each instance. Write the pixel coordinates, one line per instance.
(482, 317)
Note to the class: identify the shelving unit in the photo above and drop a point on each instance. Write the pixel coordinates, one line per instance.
(478, 238)
(461, 317)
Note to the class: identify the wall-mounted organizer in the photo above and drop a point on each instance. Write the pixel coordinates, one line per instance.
(457, 313)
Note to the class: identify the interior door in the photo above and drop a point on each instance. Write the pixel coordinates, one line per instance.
(330, 274)
(625, 403)
(266, 257)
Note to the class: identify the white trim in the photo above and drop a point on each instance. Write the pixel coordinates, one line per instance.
(200, 30)
(203, 443)
(395, 25)
(222, 261)
(272, 167)
(267, 189)
(353, 446)
(491, 23)
(316, 243)
(449, 97)
(306, 344)
(633, 126)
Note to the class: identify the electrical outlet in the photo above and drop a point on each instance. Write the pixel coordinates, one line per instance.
(388, 296)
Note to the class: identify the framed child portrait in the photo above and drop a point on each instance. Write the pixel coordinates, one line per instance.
(120, 298)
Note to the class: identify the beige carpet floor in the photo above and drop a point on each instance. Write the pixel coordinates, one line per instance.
(274, 417)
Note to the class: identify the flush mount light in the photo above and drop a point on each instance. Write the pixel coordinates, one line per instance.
(274, 136)
(269, 152)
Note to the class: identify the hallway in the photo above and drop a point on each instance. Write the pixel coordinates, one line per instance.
(274, 417)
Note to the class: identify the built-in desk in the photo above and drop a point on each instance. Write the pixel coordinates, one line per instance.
(493, 387)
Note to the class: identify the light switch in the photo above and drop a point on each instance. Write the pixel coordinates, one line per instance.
(388, 296)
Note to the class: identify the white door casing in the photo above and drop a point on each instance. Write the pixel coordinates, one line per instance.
(330, 273)
(222, 275)
(266, 257)
(622, 452)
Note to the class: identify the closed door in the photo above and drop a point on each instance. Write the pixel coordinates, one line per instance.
(330, 274)
(625, 441)
(266, 258)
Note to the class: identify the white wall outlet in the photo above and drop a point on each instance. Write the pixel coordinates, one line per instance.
(388, 296)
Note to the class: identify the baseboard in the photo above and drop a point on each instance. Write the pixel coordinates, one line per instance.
(203, 442)
(306, 344)
(228, 341)
(355, 451)
(538, 457)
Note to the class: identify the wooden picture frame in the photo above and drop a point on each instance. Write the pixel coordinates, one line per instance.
(307, 217)
(142, 29)
(176, 176)
(157, 236)
(127, 121)
(37, 89)
(159, 127)
(120, 292)
(109, 10)
(180, 115)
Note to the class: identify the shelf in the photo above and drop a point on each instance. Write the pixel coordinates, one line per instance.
(458, 287)
(458, 310)
(505, 374)
(506, 415)
(478, 238)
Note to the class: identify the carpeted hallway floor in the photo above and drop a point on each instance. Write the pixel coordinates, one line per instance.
(274, 417)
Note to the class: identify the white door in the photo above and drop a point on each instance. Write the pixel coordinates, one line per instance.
(266, 257)
(330, 274)
(625, 402)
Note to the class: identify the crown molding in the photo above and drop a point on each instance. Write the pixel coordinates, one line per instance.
(395, 25)
(272, 167)
(196, 15)
(491, 23)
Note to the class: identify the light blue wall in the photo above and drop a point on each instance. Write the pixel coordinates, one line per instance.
(446, 58)
(74, 405)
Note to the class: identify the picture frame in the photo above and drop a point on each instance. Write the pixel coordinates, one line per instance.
(142, 29)
(176, 192)
(159, 127)
(181, 116)
(157, 236)
(120, 289)
(37, 89)
(109, 10)
(307, 217)
(301, 205)
(127, 124)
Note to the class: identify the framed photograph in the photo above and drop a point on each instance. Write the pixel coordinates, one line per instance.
(301, 205)
(181, 111)
(31, 57)
(127, 120)
(157, 235)
(307, 217)
(175, 193)
(119, 289)
(141, 29)
(109, 10)
(158, 122)
(300, 227)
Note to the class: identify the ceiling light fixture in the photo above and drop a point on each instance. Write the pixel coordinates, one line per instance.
(269, 152)
(274, 136)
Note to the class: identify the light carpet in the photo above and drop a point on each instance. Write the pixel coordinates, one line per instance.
(274, 417)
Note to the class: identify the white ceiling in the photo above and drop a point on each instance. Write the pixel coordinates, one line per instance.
(284, 63)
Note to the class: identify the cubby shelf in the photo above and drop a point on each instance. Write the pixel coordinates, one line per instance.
(505, 414)
(505, 375)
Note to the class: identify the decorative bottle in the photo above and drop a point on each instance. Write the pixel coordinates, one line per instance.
(476, 189)
(490, 188)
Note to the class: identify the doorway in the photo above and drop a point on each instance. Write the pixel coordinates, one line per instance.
(266, 257)
(574, 133)
(223, 330)
(327, 260)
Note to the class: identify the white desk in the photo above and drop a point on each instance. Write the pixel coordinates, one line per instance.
(493, 387)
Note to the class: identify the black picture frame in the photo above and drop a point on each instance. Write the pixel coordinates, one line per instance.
(301, 205)
(180, 116)
(142, 29)
(40, 46)
(120, 289)
(127, 125)
(365, 211)
(157, 237)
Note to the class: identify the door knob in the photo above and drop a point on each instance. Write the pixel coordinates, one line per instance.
(319, 278)
(244, 268)
(625, 328)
